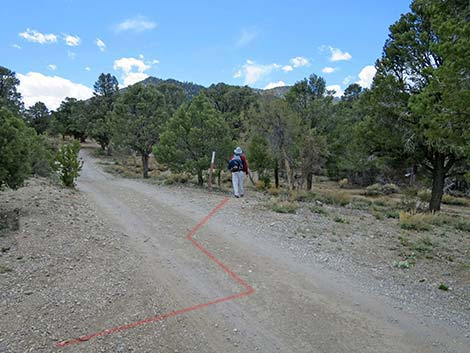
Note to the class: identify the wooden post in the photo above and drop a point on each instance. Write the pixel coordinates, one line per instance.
(211, 170)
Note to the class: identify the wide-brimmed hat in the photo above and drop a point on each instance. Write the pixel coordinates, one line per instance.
(238, 150)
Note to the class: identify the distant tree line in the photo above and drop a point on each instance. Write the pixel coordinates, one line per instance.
(412, 123)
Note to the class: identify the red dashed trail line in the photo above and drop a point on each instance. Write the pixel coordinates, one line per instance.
(248, 290)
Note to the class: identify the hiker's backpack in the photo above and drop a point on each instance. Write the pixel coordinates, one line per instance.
(235, 164)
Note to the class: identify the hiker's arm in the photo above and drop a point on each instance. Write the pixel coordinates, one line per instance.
(245, 164)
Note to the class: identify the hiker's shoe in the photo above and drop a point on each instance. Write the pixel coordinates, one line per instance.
(237, 196)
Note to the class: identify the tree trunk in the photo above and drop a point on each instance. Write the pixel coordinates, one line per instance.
(200, 180)
(438, 178)
(109, 150)
(219, 182)
(145, 165)
(309, 181)
(289, 172)
(276, 174)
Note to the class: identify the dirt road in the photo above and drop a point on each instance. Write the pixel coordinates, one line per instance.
(144, 266)
(296, 307)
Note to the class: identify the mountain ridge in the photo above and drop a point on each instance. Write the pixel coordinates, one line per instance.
(192, 89)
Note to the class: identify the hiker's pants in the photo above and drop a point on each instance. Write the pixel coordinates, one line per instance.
(237, 181)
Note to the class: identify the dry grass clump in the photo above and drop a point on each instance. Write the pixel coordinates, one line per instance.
(283, 206)
(177, 178)
(274, 191)
(360, 203)
(414, 221)
(337, 198)
(379, 189)
(423, 221)
(457, 201)
(302, 196)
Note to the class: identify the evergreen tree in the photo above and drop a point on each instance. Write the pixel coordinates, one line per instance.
(16, 140)
(10, 98)
(421, 91)
(232, 102)
(100, 108)
(71, 118)
(191, 135)
(138, 119)
(38, 117)
(106, 86)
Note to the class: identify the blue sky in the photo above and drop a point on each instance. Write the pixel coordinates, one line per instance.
(53, 45)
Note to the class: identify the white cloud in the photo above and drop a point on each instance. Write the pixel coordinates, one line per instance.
(52, 67)
(87, 68)
(299, 61)
(275, 84)
(328, 70)
(72, 41)
(51, 90)
(155, 61)
(127, 64)
(337, 88)
(338, 55)
(136, 24)
(134, 77)
(287, 68)
(366, 76)
(32, 35)
(16, 46)
(246, 37)
(253, 72)
(348, 79)
(71, 54)
(100, 44)
(132, 70)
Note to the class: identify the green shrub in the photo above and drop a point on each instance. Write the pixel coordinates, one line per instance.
(180, 178)
(15, 149)
(401, 264)
(41, 156)
(373, 190)
(462, 225)
(378, 215)
(423, 245)
(389, 189)
(392, 213)
(67, 164)
(266, 180)
(284, 207)
(378, 189)
(319, 210)
(424, 195)
(413, 204)
(382, 202)
(443, 287)
(339, 219)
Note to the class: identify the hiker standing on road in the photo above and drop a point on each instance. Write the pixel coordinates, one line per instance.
(239, 167)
